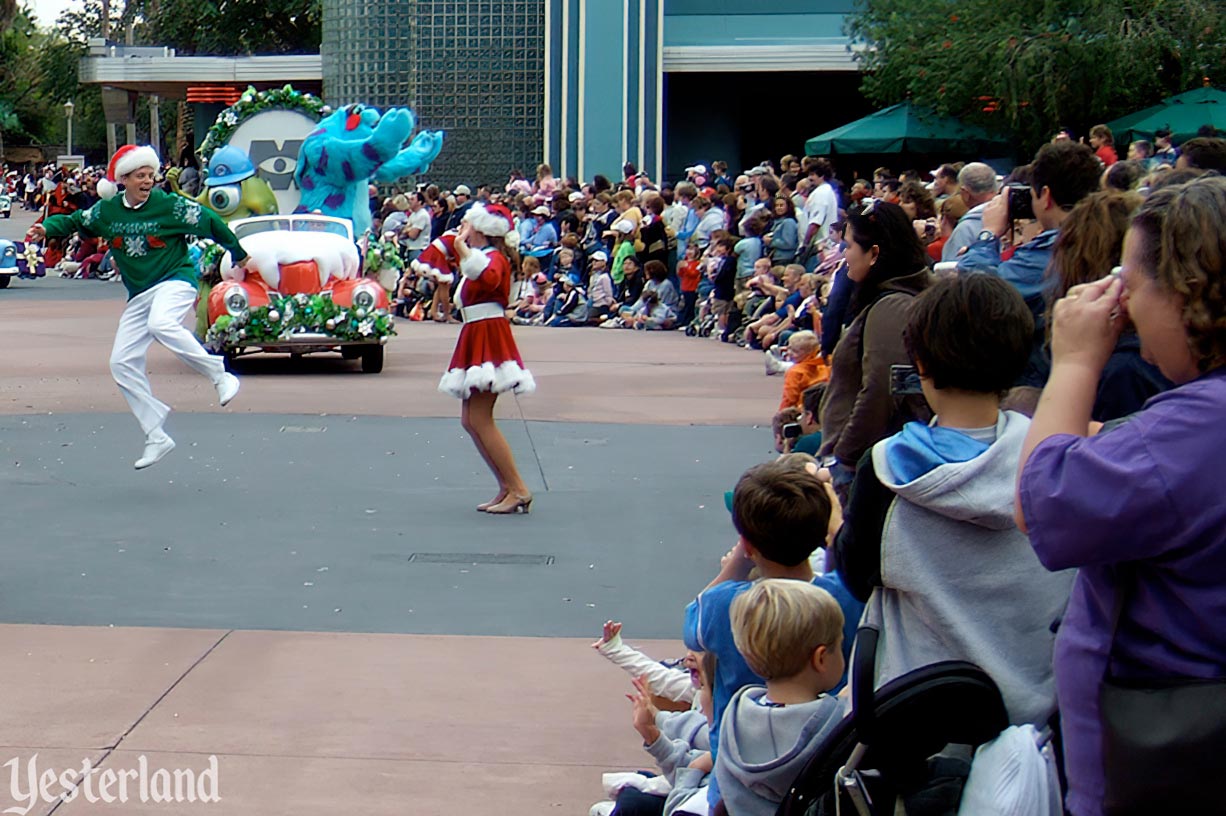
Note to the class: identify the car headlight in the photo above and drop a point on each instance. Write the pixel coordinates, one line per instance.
(236, 302)
(364, 297)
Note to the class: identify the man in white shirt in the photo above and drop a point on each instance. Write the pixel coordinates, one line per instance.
(822, 205)
(417, 231)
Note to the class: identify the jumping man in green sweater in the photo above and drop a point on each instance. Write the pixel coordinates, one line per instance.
(146, 230)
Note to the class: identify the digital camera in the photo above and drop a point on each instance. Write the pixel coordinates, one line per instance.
(1021, 205)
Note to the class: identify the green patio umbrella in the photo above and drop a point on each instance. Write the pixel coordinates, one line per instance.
(906, 128)
(1183, 113)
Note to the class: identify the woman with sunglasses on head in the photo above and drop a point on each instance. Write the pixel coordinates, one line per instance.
(486, 361)
(887, 263)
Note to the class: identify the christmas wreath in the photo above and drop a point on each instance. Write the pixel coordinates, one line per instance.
(254, 102)
(298, 314)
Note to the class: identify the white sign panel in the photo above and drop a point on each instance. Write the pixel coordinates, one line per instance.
(272, 139)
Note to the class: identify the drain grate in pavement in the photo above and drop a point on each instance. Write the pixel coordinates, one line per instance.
(498, 559)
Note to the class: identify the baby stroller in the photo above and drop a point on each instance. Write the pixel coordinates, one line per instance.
(702, 325)
(883, 754)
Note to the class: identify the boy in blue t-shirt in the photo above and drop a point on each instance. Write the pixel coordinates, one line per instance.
(781, 513)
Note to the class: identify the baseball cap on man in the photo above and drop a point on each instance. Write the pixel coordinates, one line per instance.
(700, 169)
(462, 189)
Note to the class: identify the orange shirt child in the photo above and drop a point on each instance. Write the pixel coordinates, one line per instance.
(803, 374)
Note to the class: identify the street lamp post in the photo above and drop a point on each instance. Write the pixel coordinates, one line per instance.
(68, 108)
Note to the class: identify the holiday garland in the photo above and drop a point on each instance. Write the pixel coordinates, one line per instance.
(254, 102)
(380, 255)
(296, 314)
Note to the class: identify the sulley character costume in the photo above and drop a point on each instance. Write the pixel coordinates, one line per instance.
(352, 147)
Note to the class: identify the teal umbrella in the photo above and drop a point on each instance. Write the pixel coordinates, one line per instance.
(905, 128)
(1184, 114)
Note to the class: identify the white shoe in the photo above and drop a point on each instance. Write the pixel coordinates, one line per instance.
(155, 451)
(227, 388)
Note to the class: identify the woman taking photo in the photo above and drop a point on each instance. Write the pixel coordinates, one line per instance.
(886, 262)
(486, 362)
(1138, 510)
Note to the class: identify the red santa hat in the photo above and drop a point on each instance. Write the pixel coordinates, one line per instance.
(493, 220)
(125, 160)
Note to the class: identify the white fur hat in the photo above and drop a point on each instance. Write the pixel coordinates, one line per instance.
(494, 220)
(125, 160)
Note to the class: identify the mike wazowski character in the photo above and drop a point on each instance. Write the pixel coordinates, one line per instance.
(352, 147)
(232, 189)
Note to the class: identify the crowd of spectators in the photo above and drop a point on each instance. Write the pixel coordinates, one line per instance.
(999, 431)
(1002, 451)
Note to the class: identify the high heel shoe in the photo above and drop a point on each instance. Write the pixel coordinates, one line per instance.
(485, 506)
(512, 504)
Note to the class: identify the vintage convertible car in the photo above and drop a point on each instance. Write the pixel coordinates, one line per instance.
(301, 292)
(8, 262)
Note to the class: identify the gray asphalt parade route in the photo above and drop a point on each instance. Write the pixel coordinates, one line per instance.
(363, 524)
(302, 592)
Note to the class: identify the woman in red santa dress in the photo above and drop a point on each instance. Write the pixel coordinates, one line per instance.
(486, 362)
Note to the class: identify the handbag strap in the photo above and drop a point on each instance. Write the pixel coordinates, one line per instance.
(1124, 577)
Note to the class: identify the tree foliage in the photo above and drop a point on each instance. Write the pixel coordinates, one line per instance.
(1033, 66)
(228, 27)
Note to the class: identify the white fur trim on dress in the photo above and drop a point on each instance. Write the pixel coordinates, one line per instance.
(486, 222)
(472, 266)
(335, 256)
(432, 272)
(508, 376)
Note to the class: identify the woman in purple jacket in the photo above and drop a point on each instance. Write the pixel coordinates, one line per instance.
(1137, 508)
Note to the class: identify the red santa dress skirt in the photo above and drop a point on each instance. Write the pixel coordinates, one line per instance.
(486, 357)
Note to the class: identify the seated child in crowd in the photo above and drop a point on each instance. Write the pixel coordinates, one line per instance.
(531, 308)
(929, 538)
(600, 287)
(680, 744)
(810, 439)
(790, 633)
(808, 367)
(781, 513)
(572, 305)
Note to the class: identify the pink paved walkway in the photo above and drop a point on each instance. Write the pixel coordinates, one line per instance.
(307, 724)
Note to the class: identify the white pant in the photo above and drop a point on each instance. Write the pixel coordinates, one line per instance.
(157, 314)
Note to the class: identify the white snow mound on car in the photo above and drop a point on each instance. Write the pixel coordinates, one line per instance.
(336, 256)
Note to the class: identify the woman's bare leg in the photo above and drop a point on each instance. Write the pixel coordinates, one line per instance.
(502, 461)
(466, 421)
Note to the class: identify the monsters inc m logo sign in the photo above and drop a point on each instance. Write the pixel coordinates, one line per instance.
(272, 139)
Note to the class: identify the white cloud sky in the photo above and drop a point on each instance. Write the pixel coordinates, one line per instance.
(48, 11)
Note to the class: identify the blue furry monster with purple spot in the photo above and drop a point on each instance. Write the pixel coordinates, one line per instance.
(350, 148)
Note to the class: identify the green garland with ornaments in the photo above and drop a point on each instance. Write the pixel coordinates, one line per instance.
(380, 255)
(254, 102)
(288, 315)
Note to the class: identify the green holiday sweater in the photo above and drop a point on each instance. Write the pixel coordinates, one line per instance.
(148, 243)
